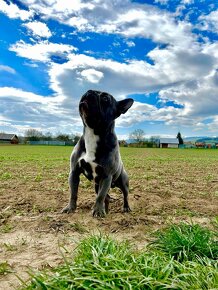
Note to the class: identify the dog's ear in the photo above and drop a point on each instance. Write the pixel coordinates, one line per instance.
(123, 106)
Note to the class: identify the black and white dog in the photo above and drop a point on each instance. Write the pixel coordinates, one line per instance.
(96, 154)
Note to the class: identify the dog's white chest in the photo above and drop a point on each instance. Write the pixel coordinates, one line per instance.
(89, 156)
(91, 141)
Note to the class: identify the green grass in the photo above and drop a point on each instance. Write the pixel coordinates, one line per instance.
(5, 268)
(79, 227)
(99, 262)
(5, 176)
(187, 242)
(6, 228)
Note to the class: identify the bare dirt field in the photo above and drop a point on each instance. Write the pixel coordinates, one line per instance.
(166, 185)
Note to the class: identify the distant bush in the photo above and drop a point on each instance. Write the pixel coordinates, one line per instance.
(144, 144)
(35, 135)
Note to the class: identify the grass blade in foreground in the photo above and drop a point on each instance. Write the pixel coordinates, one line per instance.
(102, 263)
(187, 241)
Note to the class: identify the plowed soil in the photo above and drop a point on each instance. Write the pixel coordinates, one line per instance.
(166, 185)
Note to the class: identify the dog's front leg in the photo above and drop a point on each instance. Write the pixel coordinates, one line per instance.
(104, 186)
(74, 184)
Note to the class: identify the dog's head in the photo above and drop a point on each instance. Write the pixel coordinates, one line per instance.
(98, 110)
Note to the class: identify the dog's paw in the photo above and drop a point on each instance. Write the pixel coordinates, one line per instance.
(127, 209)
(68, 209)
(99, 212)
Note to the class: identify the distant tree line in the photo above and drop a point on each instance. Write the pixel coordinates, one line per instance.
(36, 135)
(137, 139)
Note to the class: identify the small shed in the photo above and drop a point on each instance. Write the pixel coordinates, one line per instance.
(168, 143)
(8, 138)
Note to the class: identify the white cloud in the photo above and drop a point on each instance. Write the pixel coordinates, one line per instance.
(121, 17)
(7, 69)
(41, 51)
(180, 64)
(16, 103)
(21, 110)
(149, 22)
(172, 66)
(13, 11)
(130, 43)
(92, 75)
(139, 112)
(13, 93)
(38, 29)
(70, 78)
(162, 2)
(212, 127)
(211, 49)
(187, 2)
(188, 78)
(209, 22)
(198, 97)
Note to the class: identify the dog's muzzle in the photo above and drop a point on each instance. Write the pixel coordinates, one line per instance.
(84, 108)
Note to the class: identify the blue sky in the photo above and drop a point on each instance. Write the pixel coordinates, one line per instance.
(162, 53)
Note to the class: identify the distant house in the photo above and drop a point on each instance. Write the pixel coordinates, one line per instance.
(168, 143)
(200, 144)
(9, 138)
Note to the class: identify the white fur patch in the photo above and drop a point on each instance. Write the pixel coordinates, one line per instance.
(91, 145)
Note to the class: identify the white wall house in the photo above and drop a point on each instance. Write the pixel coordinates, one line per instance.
(168, 143)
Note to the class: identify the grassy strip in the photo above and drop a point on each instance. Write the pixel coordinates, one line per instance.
(102, 263)
(187, 242)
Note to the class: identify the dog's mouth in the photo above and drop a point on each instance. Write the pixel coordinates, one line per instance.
(84, 108)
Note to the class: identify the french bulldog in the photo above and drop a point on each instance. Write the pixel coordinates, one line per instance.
(97, 154)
